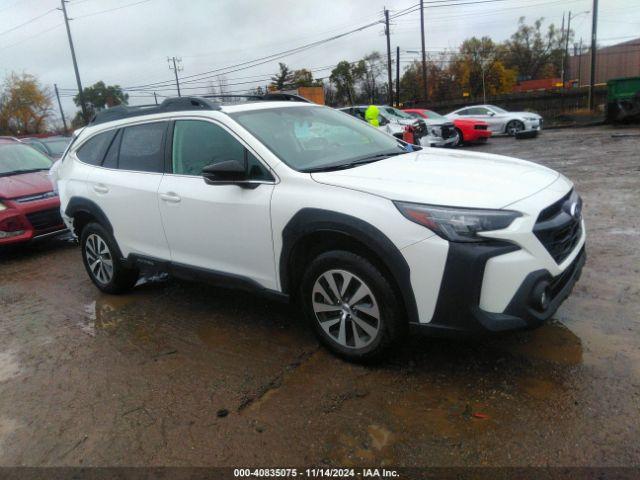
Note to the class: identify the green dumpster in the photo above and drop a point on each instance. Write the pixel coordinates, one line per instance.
(623, 99)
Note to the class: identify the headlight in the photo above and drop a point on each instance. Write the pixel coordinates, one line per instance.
(457, 224)
(2, 206)
(531, 119)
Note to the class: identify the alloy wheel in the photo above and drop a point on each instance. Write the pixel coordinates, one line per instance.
(346, 308)
(514, 127)
(99, 258)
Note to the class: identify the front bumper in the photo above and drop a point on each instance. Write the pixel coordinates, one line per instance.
(21, 223)
(458, 309)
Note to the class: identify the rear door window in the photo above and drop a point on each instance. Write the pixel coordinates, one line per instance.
(93, 150)
(142, 148)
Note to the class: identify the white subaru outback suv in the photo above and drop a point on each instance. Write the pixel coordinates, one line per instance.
(300, 201)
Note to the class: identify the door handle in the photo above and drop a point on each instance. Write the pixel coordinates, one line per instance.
(170, 197)
(100, 188)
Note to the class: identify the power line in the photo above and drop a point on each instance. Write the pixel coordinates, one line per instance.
(5, 47)
(12, 29)
(266, 59)
(110, 9)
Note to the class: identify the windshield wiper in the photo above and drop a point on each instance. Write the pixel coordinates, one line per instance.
(25, 170)
(353, 163)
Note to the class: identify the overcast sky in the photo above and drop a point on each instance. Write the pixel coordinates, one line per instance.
(129, 45)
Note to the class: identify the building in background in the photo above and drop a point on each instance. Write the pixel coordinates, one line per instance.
(614, 61)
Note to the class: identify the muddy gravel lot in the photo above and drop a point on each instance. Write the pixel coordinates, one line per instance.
(179, 373)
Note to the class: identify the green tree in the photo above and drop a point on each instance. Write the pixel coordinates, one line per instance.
(478, 66)
(282, 80)
(534, 53)
(304, 78)
(344, 76)
(100, 96)
(25, 106)
(370, 69)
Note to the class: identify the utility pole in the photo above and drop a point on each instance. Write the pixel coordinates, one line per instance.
(565, 72)
(155, 97)
(424, 54)
(176, 67)
(388, 33)
(75, 63)
(580, 64)
(398, 77)
(594, 35)
(562, 59)
(64, 122)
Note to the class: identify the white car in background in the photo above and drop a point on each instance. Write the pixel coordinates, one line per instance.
(428, 133)
(500, 120)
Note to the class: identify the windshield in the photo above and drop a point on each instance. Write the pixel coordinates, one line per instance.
(310, 138)
(497, 109)
(395, 112)
(57, 147)
(16, 158)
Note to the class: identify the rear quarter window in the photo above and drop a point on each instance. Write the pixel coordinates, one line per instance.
(92, 151)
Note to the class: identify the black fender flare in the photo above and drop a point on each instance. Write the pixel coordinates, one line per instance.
(313, 220)
(84, 205)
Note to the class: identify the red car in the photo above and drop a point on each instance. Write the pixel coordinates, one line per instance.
(469, 131)
(29, 208)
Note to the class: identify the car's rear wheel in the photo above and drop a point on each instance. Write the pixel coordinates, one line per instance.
(514, 126)
(352, 305)
(99, 254)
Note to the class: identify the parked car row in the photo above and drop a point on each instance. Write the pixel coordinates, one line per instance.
(29, 206)
(462, 126)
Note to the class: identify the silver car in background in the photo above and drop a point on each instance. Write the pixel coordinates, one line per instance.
(500, 120)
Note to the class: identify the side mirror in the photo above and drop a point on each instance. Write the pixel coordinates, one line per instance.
(383, 121)
(227, 172)
(492, 114)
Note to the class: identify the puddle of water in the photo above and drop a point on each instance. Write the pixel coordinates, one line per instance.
(538, 388)
(9, 366)
(552, 342)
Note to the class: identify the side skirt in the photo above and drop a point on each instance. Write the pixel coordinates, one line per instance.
(212, 277)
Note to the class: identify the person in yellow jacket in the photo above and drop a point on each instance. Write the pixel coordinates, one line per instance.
(371, 115)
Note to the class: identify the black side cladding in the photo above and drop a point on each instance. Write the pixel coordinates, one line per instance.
(312, 220)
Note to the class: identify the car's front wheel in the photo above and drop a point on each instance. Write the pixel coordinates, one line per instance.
(459, 138)
(351, 305)
(514, 126)
(106, 270)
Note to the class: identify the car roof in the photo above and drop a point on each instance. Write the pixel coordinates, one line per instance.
(225, 108)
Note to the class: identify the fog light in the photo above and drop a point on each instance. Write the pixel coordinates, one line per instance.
(540, 296)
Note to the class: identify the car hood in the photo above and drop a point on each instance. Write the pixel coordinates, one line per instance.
(524, 114)
(439, 177)
(25, 184)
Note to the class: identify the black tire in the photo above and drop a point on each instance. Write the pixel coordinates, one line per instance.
(122, 277)
(513, 127)
(391, 323)
(460, 141)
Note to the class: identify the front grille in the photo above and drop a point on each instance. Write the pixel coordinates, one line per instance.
(448, 131)
(45, 219)
(559, 226)
(480, 127)
(33, 198)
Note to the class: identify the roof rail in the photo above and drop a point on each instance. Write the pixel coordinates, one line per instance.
(276, 96)
(169, 105)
